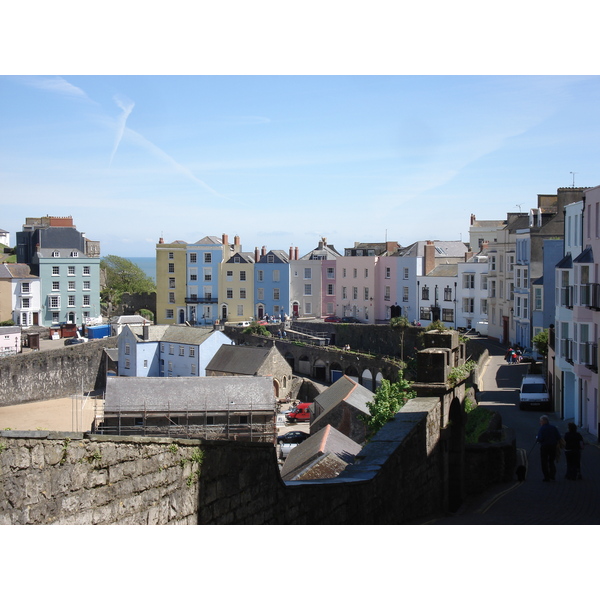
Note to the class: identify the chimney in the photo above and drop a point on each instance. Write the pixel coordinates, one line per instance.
(429, 255)
(321, 243)
(472, 218)
(296, 254)
(468, 255)
(236, 241)
(225, 239)
(161, 240)
(263, 251)
(146, 333)
(291, 253)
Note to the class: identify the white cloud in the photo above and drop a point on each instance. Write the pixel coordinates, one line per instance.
(57, 85)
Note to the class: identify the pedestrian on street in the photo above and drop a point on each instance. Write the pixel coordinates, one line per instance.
(548, 438)
(573, 448)
(508, 355)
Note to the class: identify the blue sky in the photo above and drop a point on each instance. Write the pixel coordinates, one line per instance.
(284, 160)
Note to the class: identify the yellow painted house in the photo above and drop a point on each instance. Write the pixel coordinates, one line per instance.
(236, 288)
(170, 282)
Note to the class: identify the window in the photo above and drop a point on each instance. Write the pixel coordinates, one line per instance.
(193, 257)
(127, 349)
(366, 293)
(208, 257)
(308, 273)
(344, 293)
(538, 304)
(86, 300)
(25, 288)
(171, 297)
(260, 275)
(86, 271)
(484, 306)
(260, 293)
(493, 288)
(330, 289)
(193, 276)
(469, 281)
(366, 273)
(240, 310)
(510, 263)
(71, 301)
(71, 286)
(127, 363)
(387, 293)
(55, 317)
(308, 289)
(484, 282)
(87, 285)
(425, 293)
(229, 293)
(276, 275)
(169, 313)
(242, 275)
(447, 314)
(55, 271)
(170, 255)
(448, 293)
(492, 263)
(171, 267)
(192, 352)
(24, 302)
(145, 364)
(355, 273)
(172, 282)
(171, 349)
(270, 258)
(208, 274)
(71, 270)
(405, 294)
(468, 305)
(425, 313)
(192, 369)
(56, 286)
(275, 293)
(181, 350)
(307, 308)
(354, 293)
(242, 293)
(405, 272)
(344, 272)
(55, 254)
(54, 301)
(330, 273)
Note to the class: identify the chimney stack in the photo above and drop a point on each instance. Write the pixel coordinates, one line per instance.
(225, 239)
(256, 254)
(161, 240)
(291, 255)
(296, 254)
(146, 333)
(263, 251)
(472, 218)
(236, 241)
(429, 256)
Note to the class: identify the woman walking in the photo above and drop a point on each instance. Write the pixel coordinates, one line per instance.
(573, 448)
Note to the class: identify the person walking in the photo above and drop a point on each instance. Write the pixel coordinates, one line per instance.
(573, 448)
(548, 438)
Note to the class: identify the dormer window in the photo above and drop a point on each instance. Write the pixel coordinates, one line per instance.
(55, 253)
(74, 254)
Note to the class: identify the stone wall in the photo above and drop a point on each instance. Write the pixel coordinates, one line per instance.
(64, 479)
(58, 478)
(53, 373)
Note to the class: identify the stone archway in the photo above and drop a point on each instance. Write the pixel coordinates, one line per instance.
(289, 357)
(320, 370)
(367, 380)
(335, 371)
(352, 372)
(378, 379)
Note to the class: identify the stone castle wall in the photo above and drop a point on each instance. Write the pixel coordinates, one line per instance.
(49, 477)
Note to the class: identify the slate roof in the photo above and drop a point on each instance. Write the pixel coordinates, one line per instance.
(155, 332)
(327, 440)
(178, 334)
(587, 256)
(444, 271)
(209, 240)
(189, 394)
(15, 271)
(344, 390)
(566, 262)
(130, 320)
(242, 360)
(451, 249)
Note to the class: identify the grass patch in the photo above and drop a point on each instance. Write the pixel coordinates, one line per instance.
(478, 420)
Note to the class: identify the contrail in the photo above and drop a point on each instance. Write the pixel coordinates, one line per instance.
(126, 106)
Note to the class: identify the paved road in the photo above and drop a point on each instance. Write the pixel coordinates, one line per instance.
(532, 502)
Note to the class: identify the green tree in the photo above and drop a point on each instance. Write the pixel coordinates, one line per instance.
(540, 341)
(122, 276)
(387, 401)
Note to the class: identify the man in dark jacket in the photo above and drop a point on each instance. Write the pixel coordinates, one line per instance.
(548, 438)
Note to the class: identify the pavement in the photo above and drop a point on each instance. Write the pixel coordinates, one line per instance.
(533, 501)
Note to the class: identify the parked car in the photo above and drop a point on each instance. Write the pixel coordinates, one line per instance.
(534, 393)
(75, 340)
(351, 320)
(527, 356)
(333, 319)
(243, 324)
(292, 437)
(299, 413)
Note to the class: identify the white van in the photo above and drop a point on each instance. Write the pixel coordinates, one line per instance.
(534, 392)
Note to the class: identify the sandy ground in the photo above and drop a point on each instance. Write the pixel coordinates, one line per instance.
(61, 414)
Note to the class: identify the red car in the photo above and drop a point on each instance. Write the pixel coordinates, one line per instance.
(333, 319)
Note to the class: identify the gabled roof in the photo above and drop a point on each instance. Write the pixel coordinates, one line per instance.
(242, 360)
(344, 390)
(280, 256)
(16, 271)
(245, 257)
(155, 332)
(451, 249)
(209, 240)
(326, 441)
(587, 256)
(181, 334)
(444, 271)
(189, 394)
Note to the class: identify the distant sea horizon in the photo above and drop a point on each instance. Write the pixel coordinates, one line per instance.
(146, 264)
